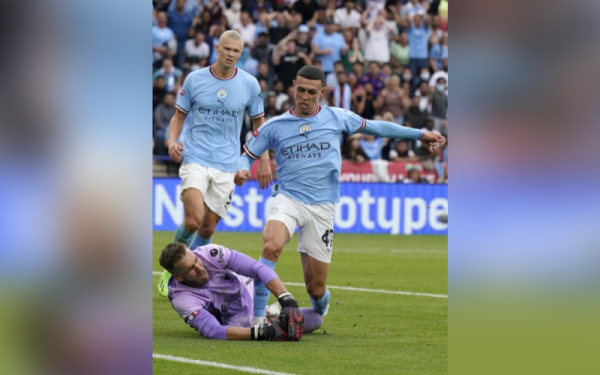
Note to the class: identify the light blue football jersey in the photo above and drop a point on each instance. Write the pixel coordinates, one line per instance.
(217, 108)
(307, 151)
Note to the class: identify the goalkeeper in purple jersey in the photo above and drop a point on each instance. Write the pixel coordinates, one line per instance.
(212, 289)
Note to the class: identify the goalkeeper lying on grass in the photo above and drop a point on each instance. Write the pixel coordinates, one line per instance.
(212, 289)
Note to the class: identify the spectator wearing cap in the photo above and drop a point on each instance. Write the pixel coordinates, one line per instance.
(197, 47)
(374, 77)
(164, 44)
(246, 28)
(303, 41)
(262, 49)
(328, 46)
(378, 41)
(234, 13)
(288, 61)
(347, 16)
(418, 39)
(306, 8)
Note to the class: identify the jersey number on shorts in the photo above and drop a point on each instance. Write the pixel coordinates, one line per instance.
(328, 239)
(229, 201)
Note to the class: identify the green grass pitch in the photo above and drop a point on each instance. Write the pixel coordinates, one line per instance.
(363, 333)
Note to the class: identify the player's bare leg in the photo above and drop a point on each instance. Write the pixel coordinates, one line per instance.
(315, 278)
(207, 228)
(275, 236)
(193, 205)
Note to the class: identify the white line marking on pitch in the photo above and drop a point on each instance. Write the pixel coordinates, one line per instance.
(362, 289)
(216, 364)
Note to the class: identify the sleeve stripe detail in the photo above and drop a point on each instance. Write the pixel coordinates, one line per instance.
(181, 109)
(364, 124)
(257, 116)
(250, 154)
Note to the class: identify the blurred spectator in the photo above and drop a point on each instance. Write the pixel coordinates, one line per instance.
(280, 96)
(434, 28)
(197, 47)
(429, 126)
(439, 104)
(414, 116)
(353, 83)
(414, 175)
(374, 77)
(378, 41)
(162, 117)
(278, 28)
(170, 73)
(246, 27)
(234, 13)
(328, 46)
(159, 91)
(358, 68)
(399, 51)
(444, 178)
(412, 8)
(164, 44)
(214, 35)
(342, 94)
(161, 5)
(443, 73)
(372, 146)
(181, 23)
(424, 75)
(263, 71)
(402, 153)
(190, 7)
(347, 16)
(215, 8)
(423, 94)
(262, 49)
(363, 101)
(386, 69)
(205, 22)
(331, 79)
(306, 8)
(418, 38)
(303, 41)
(435, 54)
(352, 151)
(288, 61)
(393, 99)
(407, 75)
(270, 110)
(255, 6)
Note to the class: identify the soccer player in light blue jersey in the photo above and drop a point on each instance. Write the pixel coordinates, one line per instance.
(216, 98)
(307, 147)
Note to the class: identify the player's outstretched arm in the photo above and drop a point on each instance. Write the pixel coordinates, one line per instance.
(386, 129)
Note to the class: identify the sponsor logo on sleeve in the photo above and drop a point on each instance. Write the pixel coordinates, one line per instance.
(255, 134)
(182, 92)
(192, 316)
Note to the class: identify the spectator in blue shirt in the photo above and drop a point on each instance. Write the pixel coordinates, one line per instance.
(181, 24)
(418, 39)
(328, 46)
(162, 37)
(435, 54)
(191, 7)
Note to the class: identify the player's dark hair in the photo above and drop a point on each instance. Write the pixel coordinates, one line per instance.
(170, 255)
(311, 72)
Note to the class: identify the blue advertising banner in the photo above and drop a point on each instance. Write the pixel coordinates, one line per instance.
(363, 208)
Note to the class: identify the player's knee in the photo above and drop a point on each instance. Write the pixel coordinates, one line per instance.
(316, 291)
(191, 224)
(206, 231)
(271, 251)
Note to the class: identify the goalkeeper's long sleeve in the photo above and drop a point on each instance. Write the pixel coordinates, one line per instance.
(208, 326)
(242, 264)
(386, 129)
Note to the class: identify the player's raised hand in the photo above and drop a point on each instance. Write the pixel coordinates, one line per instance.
(291, 317)
(433, 140)
(241, 177)
(175, 150)
(264, 173)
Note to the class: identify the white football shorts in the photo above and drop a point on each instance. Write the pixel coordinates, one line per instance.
(315, 236)
(216, 186)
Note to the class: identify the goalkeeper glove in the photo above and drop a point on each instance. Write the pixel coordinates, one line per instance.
(266, 332)
(291, 317)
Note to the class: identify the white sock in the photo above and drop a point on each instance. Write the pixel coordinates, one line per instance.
(257, 321)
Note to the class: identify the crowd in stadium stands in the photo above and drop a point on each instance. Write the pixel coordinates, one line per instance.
(382, 59)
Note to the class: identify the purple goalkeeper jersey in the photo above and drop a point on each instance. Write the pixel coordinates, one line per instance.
(226, 299)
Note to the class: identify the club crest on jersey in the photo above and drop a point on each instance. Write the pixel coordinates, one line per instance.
(221, 93)
(304, 130)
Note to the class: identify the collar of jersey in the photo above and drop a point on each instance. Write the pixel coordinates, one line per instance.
(219, 78)
(311, 115)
